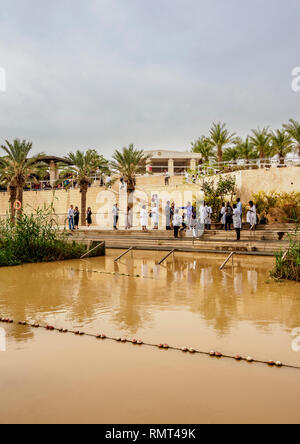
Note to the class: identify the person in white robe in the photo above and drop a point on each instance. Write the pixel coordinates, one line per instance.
(155, 216)
(144, 218)
(202, 214)
(208, 216)
(252, 216)
(237, 222)
(223, 215)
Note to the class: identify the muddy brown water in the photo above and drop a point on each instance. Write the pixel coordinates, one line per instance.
(188, 301)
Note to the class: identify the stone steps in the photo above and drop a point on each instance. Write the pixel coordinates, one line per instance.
(185, 244)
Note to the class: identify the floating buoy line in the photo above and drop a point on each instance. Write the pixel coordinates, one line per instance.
(113, 273)
(122, 339)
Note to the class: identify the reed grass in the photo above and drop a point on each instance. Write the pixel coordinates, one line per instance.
(287, 264)
(35, 238)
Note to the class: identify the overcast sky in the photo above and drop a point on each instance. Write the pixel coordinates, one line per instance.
(105, 73)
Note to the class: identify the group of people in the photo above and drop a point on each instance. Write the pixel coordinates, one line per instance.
(73, 217)
(178, 218)
(233, 215)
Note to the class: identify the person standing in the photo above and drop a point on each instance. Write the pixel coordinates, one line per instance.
(168, 216)
(228, 214)
(172, 212)
(194, 222)
(116, 216)
(202, 216)
(167, 178)
(189, 213)
(144, 218)
(129, 218)
(76, 218)
(252, 216)
(71, 218)
(240, 208)
(237, 222)
(208, 216)
(89, 217)
(155, 216)
(177, 223)
(223, 215)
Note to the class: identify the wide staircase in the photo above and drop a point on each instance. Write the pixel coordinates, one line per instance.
(265, 240)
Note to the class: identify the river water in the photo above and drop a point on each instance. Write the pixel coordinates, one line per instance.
(49, 377)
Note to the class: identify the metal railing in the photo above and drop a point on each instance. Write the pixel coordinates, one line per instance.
(214, 167)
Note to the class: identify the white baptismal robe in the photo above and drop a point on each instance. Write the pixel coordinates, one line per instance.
(144, 218)
(251, 216)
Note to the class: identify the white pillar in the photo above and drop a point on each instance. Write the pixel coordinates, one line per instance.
(171, 167)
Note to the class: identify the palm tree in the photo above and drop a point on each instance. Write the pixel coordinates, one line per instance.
(282, 144)
(245, 149)
(82, 165)
(261, 141)
(203, 146)
(16, 168)
(220, 138)
(231, 154)
(293, 129)
(128, 163)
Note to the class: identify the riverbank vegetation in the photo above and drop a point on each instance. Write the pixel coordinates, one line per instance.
(35, 238)
(278, 207)
(287, 264)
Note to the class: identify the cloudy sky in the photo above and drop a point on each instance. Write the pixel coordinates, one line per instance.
(106, 73)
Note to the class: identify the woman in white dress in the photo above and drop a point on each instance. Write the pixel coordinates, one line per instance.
(155, 216)
(144, 218)
(251, 216)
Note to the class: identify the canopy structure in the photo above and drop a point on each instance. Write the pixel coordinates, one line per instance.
(53, 162)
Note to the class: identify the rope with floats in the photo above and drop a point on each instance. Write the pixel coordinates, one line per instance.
(163, 346)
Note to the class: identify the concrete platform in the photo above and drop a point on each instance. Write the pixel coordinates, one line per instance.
(266, 242)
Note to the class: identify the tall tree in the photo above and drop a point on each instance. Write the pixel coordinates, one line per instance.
(128, 163)
(82, 165)
(245, 149)
(261, 142)
(204, 146)
(293, 129)
(16, 168)
(220, 138)
(231, 154)
(282, 144)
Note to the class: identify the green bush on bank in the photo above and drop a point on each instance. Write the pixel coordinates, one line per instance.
(35, 238)
(287, 264)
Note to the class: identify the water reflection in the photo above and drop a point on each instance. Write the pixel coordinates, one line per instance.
(186, 292)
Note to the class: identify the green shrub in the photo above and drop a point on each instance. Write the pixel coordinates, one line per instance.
(279, 207)
(287, 264)
(35, 238)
